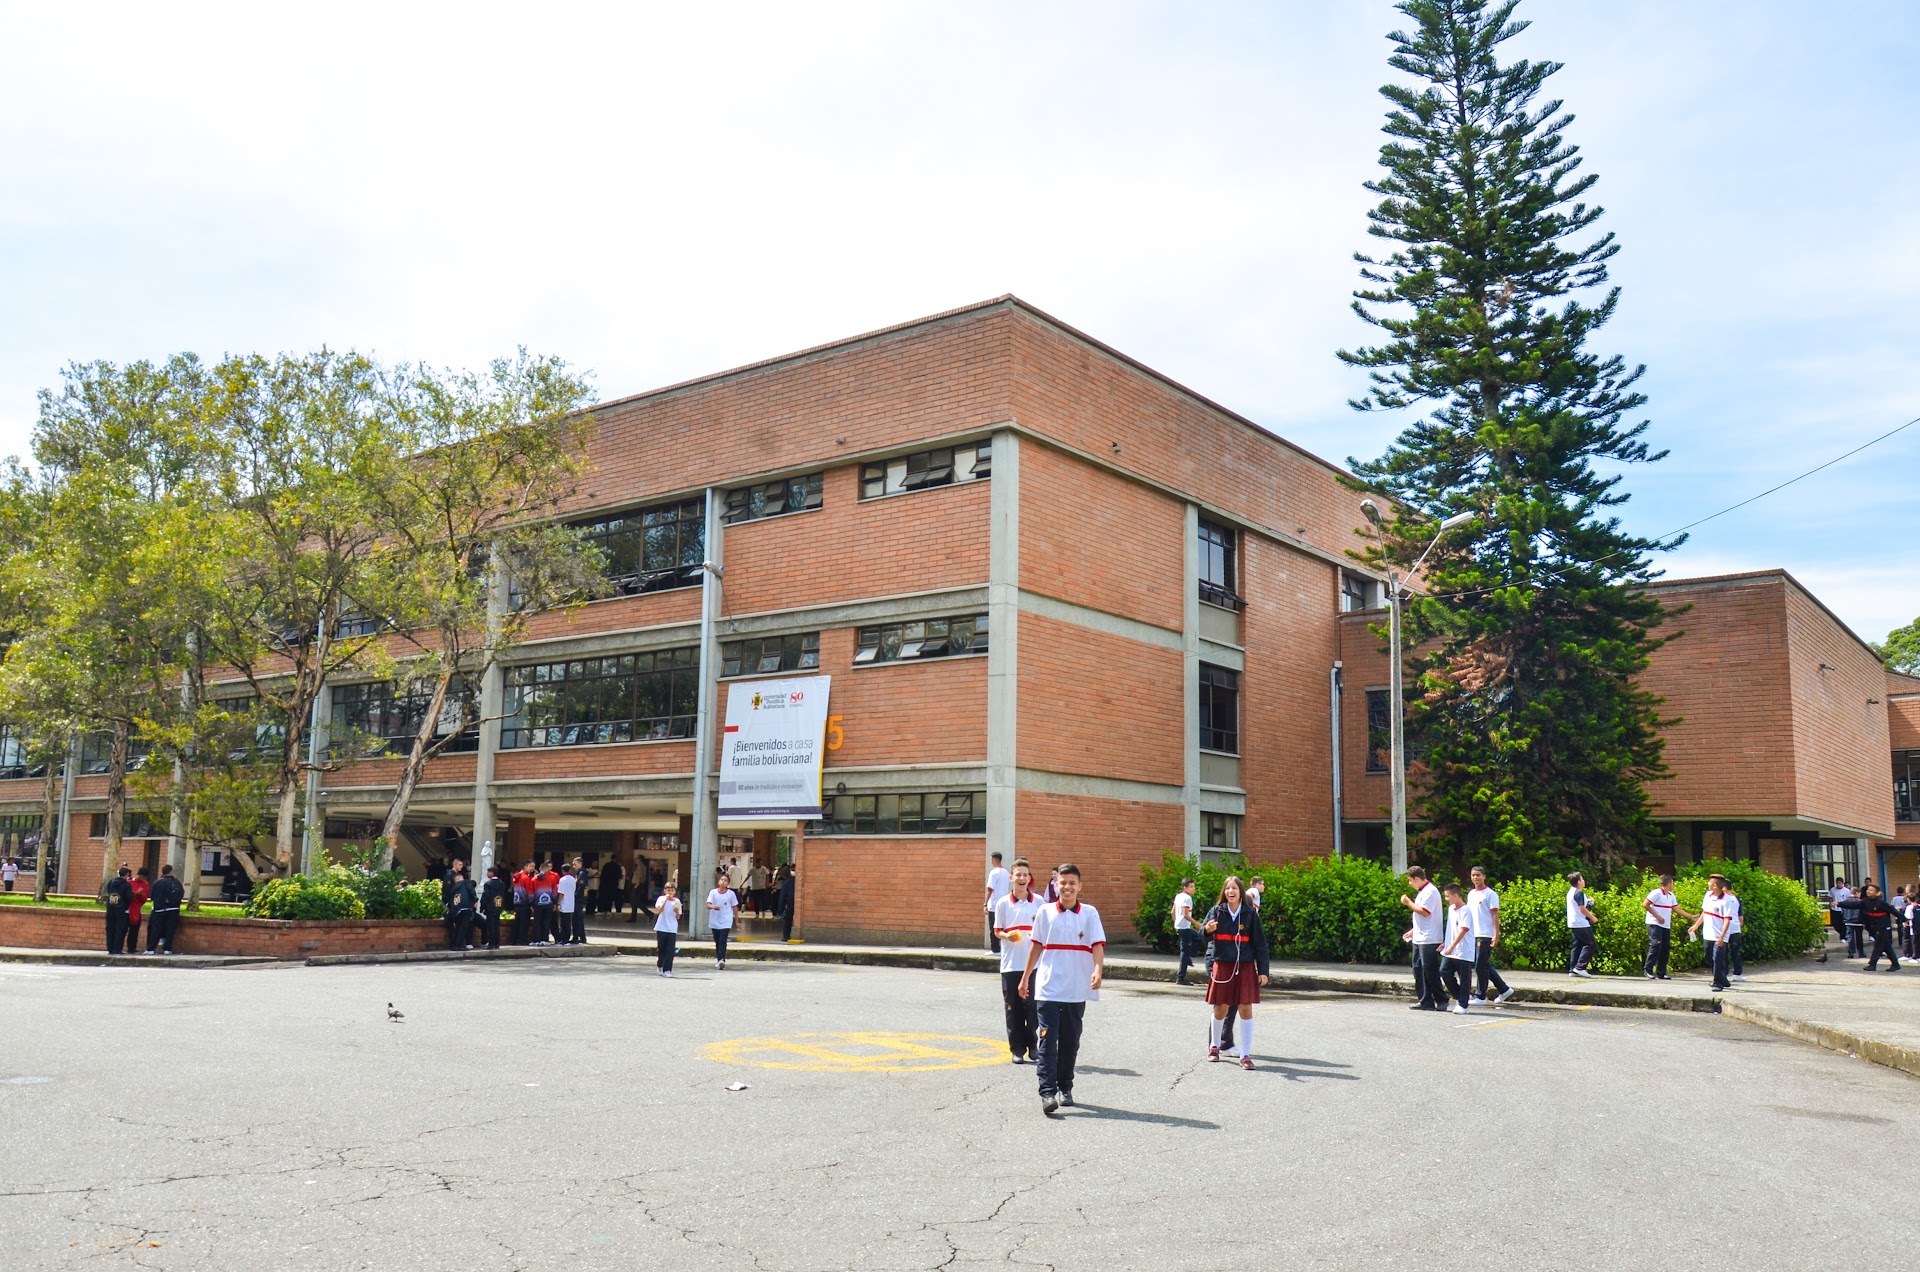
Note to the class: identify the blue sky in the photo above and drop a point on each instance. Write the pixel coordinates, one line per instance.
(656, 192)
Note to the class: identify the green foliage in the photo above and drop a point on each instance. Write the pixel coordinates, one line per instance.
(1536, 744)
(1780, 918)
(1335, 910)
(305, 897)
(1901, 649)
(418, 901)
(384, 893)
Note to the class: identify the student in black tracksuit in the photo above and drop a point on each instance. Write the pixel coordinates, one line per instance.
(1876, 917)
(788, 885)
(493, 900)
(119, 905)
(165, 904)
(461, 902)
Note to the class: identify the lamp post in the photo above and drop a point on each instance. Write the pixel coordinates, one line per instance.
(1396, 700)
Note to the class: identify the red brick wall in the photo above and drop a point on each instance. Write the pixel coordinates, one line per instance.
(1367, 796)
(611, 614)
(1903, 717)
(1099, 704)
(1109, 839)
(850, 889)
(1841, 752)
(612, 760)
(927, 712)
(1286, 706)
(1094, 538)
(33, 927)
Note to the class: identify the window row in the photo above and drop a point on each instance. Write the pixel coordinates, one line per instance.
(1219, 709)
(924, 470)
(762, 654)
(619, 698)
(385, 721)
(941, 813)
(929, 638)
(650, 549)
(1906, 786)
(774, 498)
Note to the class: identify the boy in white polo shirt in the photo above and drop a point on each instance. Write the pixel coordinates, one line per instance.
(1661, 907)
(1716, 913)
(1012, 924)
(1069, 952)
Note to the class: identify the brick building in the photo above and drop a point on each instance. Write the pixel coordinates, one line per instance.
(1070, 609)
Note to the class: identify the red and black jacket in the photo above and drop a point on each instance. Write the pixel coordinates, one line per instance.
(1240, 940)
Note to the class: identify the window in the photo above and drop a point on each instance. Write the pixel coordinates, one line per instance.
(267, 724)
(137, 826)
(353, 622)
(20, 839)
(773, 498)
(1906, 786)
(619, 698)
(943, 813)
(15, 760)
(798, 652)
(1357, 592)
(96, 752)
(386, 722)
(1219, 709)
(1822, 863)
(1379, 731)
(926, 469)
(650, 549)
(1221, 831)
(1219, 573)
(933, 638)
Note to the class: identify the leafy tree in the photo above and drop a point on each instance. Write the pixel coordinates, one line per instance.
(1536, 743)
(1901, 650)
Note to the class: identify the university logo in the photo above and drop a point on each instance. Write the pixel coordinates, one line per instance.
(756, 702)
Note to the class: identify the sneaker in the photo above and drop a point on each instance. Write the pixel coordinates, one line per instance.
(1066, 1099)
(668, 973)
(1457, 1010)
(1738, 976)
(466, 947)
(1502, 997)
(1583, 973)
(1651, 976)
(1477, 1001)
(1719, 989)
(1048, 1104)
(1246, 1062)
(1213, 1053)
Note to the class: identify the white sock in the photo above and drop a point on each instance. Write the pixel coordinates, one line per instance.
(1217, 1026)
(1246, 1035)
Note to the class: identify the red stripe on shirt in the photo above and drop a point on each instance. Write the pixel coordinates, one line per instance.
(1086, 949)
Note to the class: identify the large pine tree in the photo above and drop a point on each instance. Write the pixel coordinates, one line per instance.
(1534, 744)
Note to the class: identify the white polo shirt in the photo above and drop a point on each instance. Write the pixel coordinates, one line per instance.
(724, 900)
(1718, 913)
(1015, 919)
(566, 889)
(999, 884)
(1067, 939)
(1429, 928)
(1459, 924)
(1739, 920)
(666, 913)
(1481, 903)
(1660, 912)
(1182, 912)
(1576, 897)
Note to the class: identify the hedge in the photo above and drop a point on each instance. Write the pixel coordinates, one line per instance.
(1347, 910)
(305, 897)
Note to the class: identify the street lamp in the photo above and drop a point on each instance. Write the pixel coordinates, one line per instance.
(1397, 705)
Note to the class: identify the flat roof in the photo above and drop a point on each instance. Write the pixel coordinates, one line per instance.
(1755, 576)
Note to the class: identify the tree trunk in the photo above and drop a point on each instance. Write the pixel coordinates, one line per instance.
(116, 804)
(47, 814)
(415, 766)
(293, 769)
(191, 881)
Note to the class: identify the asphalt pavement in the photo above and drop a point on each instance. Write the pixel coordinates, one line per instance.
(589, 1114)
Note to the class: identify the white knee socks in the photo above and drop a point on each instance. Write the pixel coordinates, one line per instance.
(1216, 1029)
(1246, 1036)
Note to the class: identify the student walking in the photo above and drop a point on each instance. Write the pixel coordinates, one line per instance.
(1661, 907)
(721, 903)
(1239, 967)
(142, 889)
(1579, 927)
(1717, 916)
(1483, 907)
(1012, 925)
(9, 871)
(1427, 934)
(119, 899)
(165, 920)
(785, 896)
(493, 900)
(1735, 963)
(666, 928)
(1458, 956)
(1876, 917)
(1067, 956)
(1184, 930)
(998, 882)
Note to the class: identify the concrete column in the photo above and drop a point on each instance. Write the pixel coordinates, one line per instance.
(493, 680)
(1190, 694)
(706, 831)
(1003, 648)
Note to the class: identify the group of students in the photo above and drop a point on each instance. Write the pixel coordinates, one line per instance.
(1868, 915)
(1053, 952)
(128, 895)
(723, 902)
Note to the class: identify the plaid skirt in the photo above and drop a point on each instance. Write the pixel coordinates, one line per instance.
(1233, 983)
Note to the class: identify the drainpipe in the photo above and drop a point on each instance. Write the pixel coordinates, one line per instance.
(1333, 681)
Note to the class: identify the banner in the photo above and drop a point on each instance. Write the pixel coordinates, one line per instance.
(773, 745)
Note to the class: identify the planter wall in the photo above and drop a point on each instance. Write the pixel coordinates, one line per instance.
(47, 928)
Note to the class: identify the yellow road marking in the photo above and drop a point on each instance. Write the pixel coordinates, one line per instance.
(1495, 1024)
(860, 1051)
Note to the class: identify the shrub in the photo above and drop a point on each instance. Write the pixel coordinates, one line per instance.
(418, 901)
(1533, 925)
(1780, 919)
(1336, 910)
(305, 897)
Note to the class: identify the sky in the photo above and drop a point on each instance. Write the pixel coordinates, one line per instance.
(654, 192)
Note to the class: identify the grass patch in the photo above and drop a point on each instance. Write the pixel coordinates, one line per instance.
(64, 902)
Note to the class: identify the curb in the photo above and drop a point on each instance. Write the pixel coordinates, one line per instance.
(461, 956)
(77, 958)
(1892, 1055)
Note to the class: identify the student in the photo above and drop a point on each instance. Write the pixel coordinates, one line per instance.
(9, 871)
(1458, 956)
(1661, 907)
(522, 903)
(784, 899)
(1716, 914)
(610, 876)
(1876, 918)
(1735, 963)
(455, 871)
(1239, 968)
(722, 902)
(1256, 891)
(1483, 907)
(1837, 898)
(998, 882)
(666, 928)
(142, 889)
(1184, 931)
(493, 900)
(1579, 927)
(1429, 930)
(119, 897)
(568, 904)
(462, 903)
(546, 891)
(1068, 952)
(1052, 892)
(1012, 922)
(165, 920)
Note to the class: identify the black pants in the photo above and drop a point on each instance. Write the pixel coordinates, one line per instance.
(1717, 952)
(1737, 964)
(1190, 947)
(521, 921)
(1584, 948)
(576, 926)
(116, 931)
(1058, 1046)
(1856, 941)
(1882, 944)
(1426, 975)
(1484, 969)
(1456, 979)
(786, 925)
(160, 930)
(1021, 1017)
(720, 936)
(1659, 950)
(993, 942)
(462, 929)
(543, 924)
(133, 936)
(492, 925)
(664, 945)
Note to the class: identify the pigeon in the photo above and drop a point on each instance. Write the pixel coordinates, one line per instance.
(393, 1014)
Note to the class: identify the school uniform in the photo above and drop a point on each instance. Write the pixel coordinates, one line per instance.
(1062, 983)
(1876, 918)
(1716, 918)
(168, 893)
(493, 900)
(141, 891)
(568, 906)
(1735, 963)
(1186, 933)
(1660, 904)
(666, 932)
(1580, 931)
(119, 898)
(546, 890)
(721, 922)
(522, 906)
(1233, 974)
(1482, 904)
(462, 907)
(1015, 918)
(1429, 930)
(1457, 964)
(999, 884)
